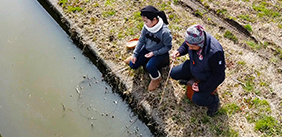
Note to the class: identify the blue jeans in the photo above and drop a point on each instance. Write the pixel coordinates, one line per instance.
(153, 64)
(182, 72)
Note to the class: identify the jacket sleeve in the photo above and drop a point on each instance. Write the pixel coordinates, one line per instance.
(217, 66)
(140, 43)
(183, 49)
(167, 41)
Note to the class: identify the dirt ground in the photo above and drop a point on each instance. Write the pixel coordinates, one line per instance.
(251, 36)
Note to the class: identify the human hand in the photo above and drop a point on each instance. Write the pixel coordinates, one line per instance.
(149, 55)
(133, 60)
(175, 54)
(195, 87)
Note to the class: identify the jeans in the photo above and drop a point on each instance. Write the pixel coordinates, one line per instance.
(182, 72)
(152, 65)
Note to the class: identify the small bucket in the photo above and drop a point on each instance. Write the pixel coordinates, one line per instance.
(190, 92)
(131, 44)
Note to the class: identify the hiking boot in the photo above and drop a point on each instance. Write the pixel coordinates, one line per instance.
(183, 82)
(127, 60)
(213, 108)
(155, 82)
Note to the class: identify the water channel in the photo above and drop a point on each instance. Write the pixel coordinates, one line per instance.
(48, 88)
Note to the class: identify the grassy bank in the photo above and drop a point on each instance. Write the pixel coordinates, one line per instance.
(251, 103)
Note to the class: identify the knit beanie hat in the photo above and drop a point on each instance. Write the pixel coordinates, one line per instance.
(195, 35)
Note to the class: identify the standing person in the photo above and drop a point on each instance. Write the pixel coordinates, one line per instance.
(153, 46)
(206, 65)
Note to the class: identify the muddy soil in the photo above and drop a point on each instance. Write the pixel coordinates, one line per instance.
(251, 92)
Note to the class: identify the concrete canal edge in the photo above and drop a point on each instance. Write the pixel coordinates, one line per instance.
(140, 107)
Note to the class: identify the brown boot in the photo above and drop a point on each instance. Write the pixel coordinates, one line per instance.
(127, 60)
(155, 82)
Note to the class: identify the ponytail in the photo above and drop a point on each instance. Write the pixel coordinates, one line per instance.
(151, 12)
(163, 16)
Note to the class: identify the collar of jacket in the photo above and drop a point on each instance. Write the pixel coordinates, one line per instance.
(207, 43)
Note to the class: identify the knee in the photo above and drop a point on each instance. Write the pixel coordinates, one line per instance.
(173, 74)
(133, 66)
(150, 67)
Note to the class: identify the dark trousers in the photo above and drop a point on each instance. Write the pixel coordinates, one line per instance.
(182, 72)
(151, 65)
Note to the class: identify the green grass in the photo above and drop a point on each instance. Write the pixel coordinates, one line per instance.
(280, 24)
(268, 125)
(96, 5)
(260, 105)
(205, 119)
(253, 45)
(229, 109)
(137, 15)
(245, 17)
(164, 6)
(249, 83)
(74, 9)
(263, 11)
(248, 27)
(242, 63)
(259, 116)
(278, 51)
(230, 36)
(175, 1)
(197, 13)
(109, 2)
(108, 13)
(221, 11)
(63, 1)
(130, 31)
(225, 131)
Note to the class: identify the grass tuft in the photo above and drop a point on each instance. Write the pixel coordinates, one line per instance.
(74, 9)
(268, 125)
(230, 36)
(248, 27)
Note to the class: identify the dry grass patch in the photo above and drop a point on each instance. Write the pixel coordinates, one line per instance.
(250, 95)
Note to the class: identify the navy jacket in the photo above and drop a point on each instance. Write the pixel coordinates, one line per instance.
(210, 69)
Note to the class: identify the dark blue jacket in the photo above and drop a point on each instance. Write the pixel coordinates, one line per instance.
(210, 70)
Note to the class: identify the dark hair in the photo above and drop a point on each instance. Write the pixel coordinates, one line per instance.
(151, 12)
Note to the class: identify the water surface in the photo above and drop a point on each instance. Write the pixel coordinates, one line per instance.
(47, 87)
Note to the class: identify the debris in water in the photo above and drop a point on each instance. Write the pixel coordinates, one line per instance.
(92, 124)
(71, 110)
(63, 106)
(92, 118)
(77, 90)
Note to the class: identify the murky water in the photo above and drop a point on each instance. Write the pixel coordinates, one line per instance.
(47, 87)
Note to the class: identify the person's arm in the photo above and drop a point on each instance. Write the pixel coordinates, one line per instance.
(217, 66)
(183, 49)
(167, 41)
(140, 43)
